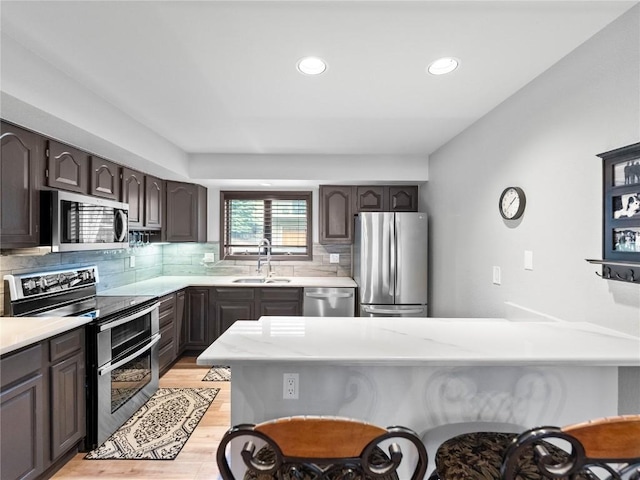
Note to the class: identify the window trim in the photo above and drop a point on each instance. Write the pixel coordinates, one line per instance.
(267, 195)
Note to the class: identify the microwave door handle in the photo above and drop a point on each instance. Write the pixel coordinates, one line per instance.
(108, 368)
(116, 323)
(121, 218)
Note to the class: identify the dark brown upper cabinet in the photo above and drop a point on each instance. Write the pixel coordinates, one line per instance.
(186, 212)
(133, 194)
(67, 168)
(145, 196)
(22, 154)
(153, 201)
(336, 214)
(402, 198)
(370, 199)
(105, 178)
(339, 203)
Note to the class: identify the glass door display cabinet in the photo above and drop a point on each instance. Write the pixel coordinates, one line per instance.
(621, 214)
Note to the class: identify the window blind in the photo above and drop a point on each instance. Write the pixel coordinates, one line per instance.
(282, 218)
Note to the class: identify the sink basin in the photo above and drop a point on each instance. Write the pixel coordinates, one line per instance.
(261, 280)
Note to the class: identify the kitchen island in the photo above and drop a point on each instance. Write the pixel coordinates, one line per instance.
(424, 373)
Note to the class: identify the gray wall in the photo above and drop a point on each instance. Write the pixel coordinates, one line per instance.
(544, 139)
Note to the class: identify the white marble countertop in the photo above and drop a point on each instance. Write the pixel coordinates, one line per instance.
(164, 285)
(420, 341)
(18, 332)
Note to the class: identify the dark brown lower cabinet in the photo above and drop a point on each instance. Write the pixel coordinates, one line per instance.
(279, 302)
(180, 336)
(229, 312)
(22, 424)
(199, 331)
(42, 405)
(68, 412)
(231, 304)
(212, 310)
(167, 347)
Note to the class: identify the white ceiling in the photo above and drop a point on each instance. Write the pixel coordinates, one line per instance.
(220, 77)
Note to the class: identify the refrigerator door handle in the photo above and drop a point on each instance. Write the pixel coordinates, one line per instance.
(392, 258)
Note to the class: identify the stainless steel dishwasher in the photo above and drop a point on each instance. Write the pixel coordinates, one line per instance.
(329, 302)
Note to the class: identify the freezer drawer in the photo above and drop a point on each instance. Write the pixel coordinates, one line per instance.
(393, 310)
(329, 302)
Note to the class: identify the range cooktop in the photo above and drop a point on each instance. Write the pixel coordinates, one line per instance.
(66, 293)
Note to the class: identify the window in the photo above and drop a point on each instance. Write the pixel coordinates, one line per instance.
(283, 218)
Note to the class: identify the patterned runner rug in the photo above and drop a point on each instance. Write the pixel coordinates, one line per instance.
(160, 428)
(218, 374)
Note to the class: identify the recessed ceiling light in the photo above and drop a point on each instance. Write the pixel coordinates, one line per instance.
(311, 65)
(443, 65)
(265, 184)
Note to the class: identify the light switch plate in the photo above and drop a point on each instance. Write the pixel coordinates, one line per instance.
(132, 261)
(528, 260)
(496, 276)
(334, 258)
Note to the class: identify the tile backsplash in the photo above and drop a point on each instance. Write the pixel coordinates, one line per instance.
(116, 268)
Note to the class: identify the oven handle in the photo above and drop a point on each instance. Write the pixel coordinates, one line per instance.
(116, 323)
(108, 368)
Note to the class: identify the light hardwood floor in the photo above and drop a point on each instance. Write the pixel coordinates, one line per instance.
(196, 461)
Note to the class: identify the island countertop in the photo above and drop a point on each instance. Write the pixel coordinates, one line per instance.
(411, 341)
(167, 284)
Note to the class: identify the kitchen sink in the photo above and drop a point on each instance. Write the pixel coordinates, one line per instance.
(261, 280)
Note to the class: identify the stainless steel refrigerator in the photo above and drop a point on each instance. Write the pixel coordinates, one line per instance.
(390, 264)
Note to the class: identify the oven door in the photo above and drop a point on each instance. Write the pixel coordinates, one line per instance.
(127, 368)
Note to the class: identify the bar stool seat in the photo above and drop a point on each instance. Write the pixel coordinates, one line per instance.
(479, 455)
(579, 452)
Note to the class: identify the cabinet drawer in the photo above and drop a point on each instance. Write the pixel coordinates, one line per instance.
(167, 302)
(166, 335)
(167, 317)
(234, 293)
(66, 344)
(18, 365)
(166, 356)
(278, 293)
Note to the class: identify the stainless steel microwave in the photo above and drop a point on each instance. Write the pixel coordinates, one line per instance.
(79, 222)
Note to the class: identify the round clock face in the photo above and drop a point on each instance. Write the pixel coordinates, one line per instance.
(512, 203)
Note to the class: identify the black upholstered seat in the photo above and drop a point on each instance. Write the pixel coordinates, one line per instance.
(577, 452)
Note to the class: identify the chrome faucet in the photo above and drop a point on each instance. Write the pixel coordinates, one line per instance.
(267, 245)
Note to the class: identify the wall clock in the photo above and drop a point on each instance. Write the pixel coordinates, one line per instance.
(512, 203)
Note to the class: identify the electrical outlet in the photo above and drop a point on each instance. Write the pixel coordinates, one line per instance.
(334, 258)
(290, 386)
(132, 261)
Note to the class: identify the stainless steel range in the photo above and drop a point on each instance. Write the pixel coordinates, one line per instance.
(122, 340)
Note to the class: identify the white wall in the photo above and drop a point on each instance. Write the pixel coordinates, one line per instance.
(544, 139)
(41, 97)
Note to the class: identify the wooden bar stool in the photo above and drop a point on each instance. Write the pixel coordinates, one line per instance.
(322, 448)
